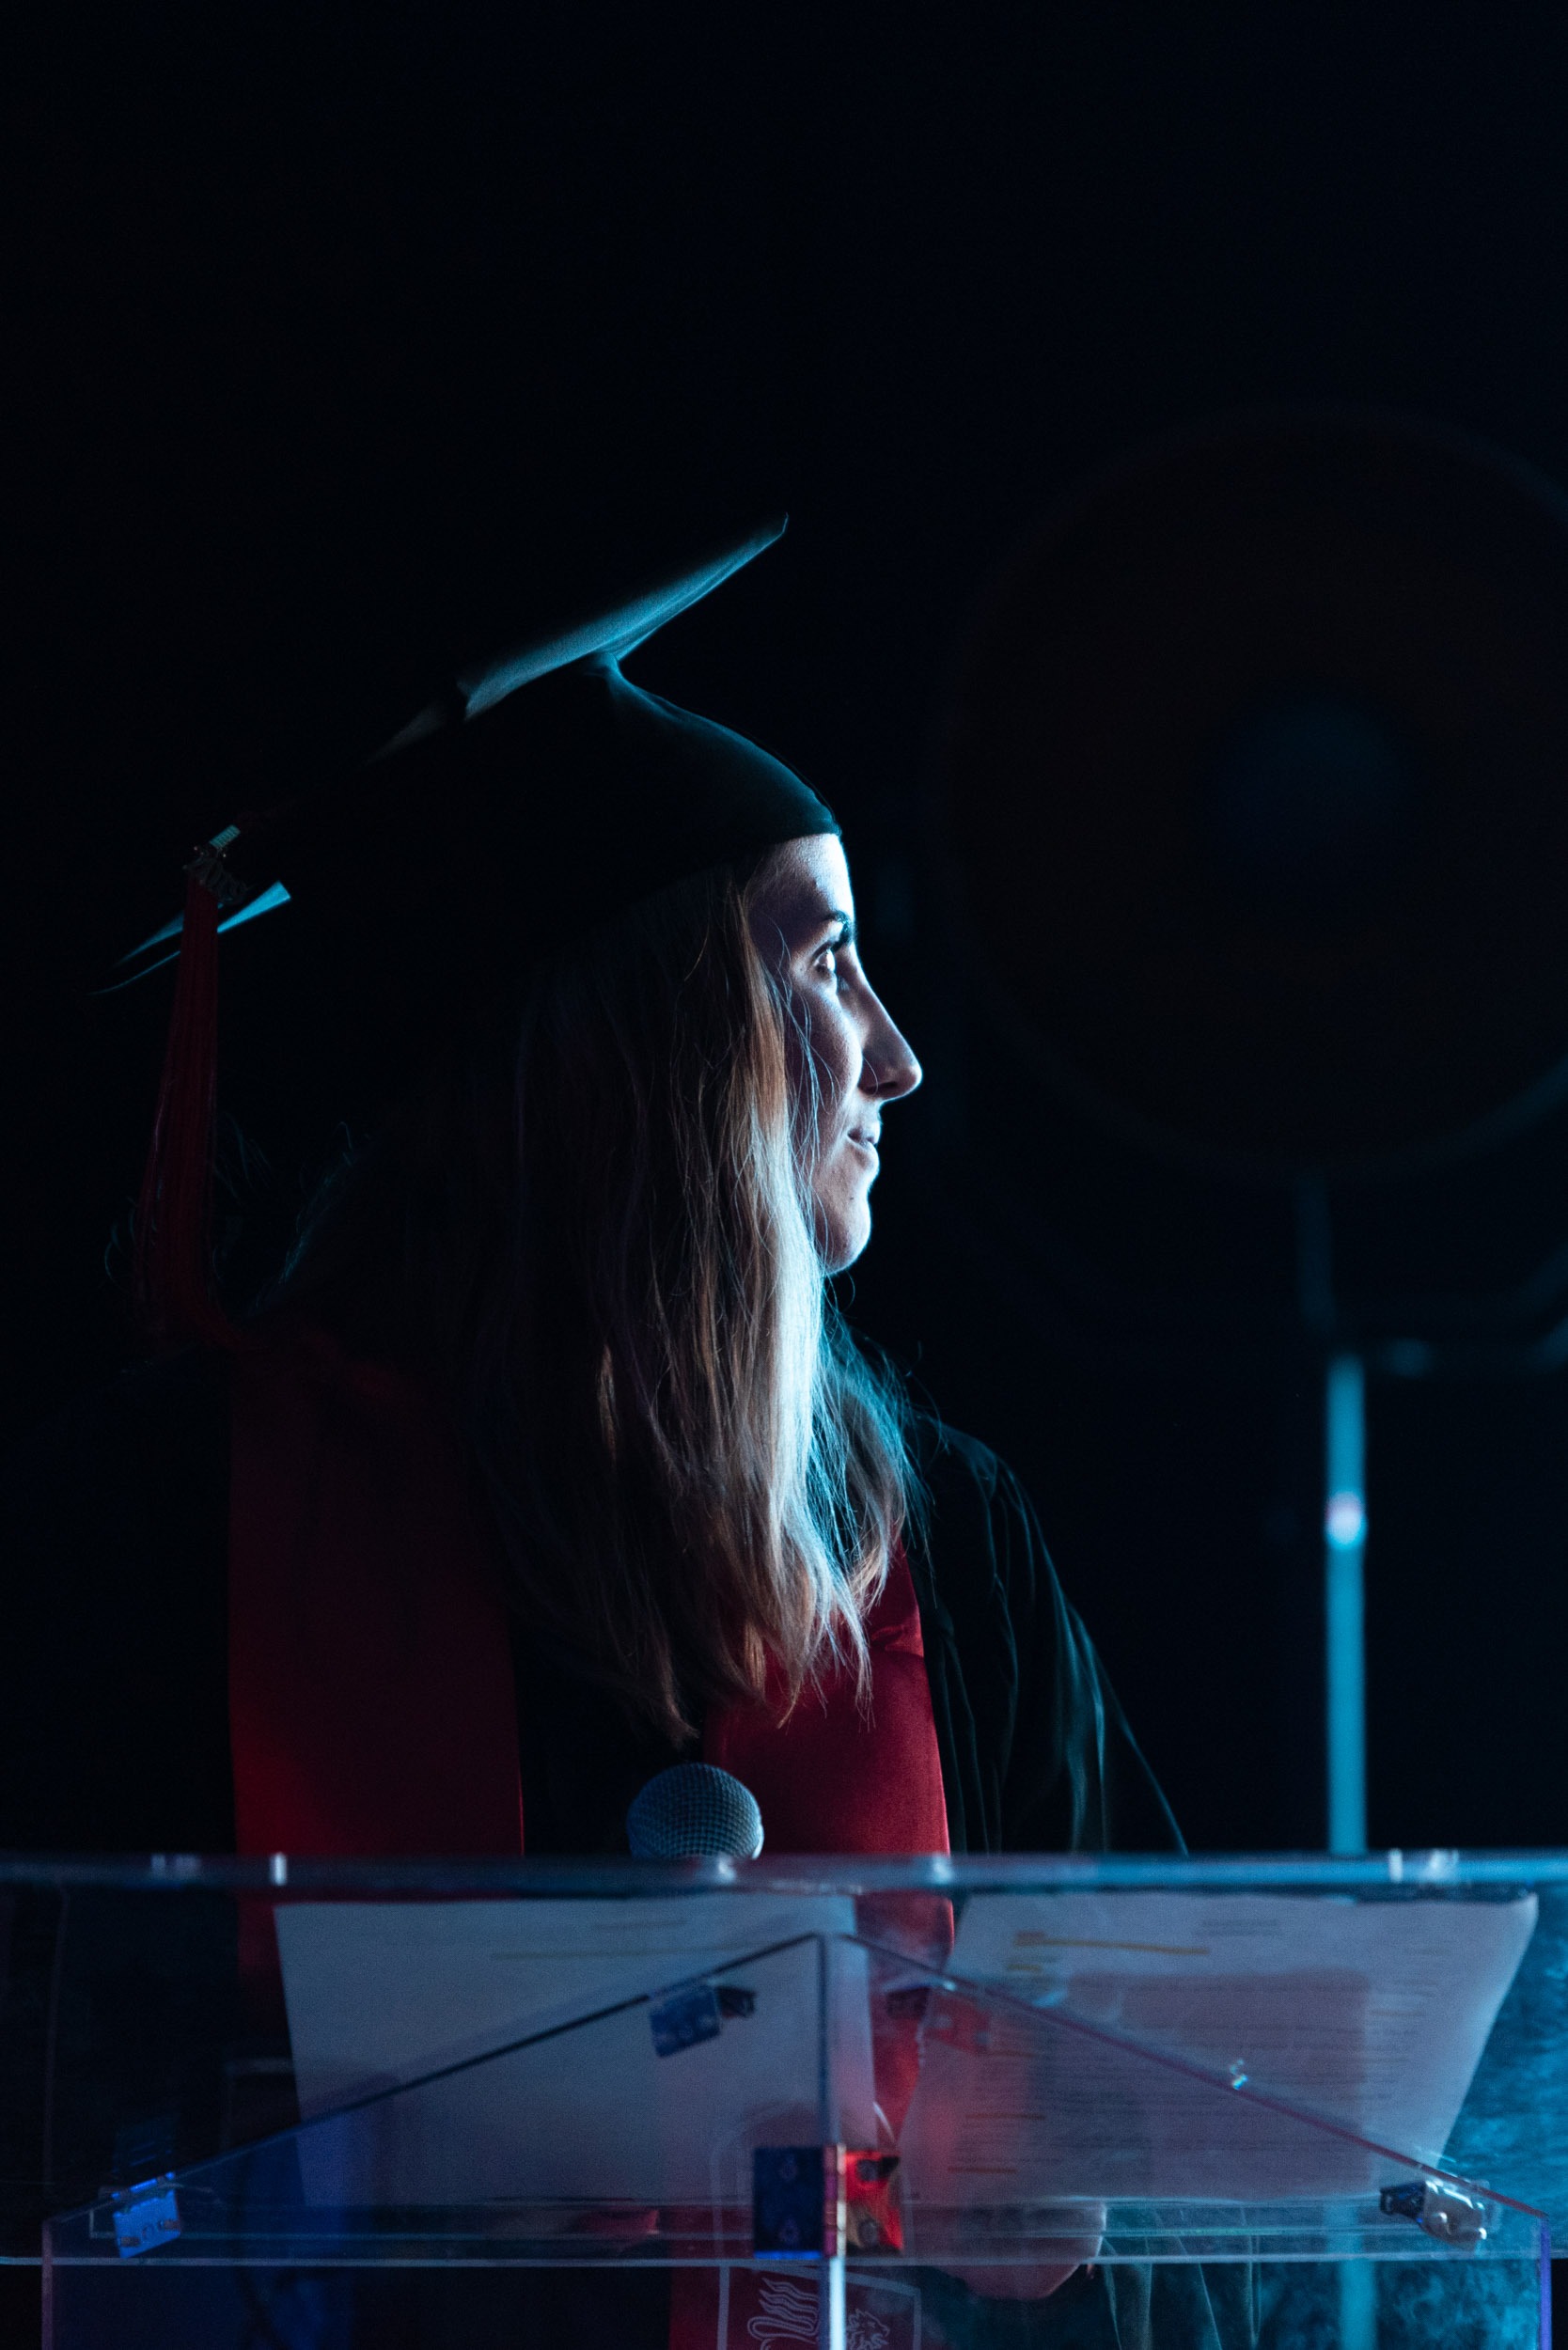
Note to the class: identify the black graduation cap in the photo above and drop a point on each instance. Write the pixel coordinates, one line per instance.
(540, 794)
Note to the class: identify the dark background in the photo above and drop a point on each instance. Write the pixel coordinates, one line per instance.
(338, 344)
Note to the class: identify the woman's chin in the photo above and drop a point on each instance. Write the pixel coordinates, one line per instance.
(842, 1237)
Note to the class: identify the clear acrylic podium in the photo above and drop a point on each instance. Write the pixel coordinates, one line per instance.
(875, 2105)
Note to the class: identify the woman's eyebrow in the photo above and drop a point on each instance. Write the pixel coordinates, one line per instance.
(845, 922)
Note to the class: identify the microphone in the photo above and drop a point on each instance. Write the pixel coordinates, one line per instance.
(694, 1812)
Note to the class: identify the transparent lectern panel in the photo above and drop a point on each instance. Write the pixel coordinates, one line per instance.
(169, 2014)
(823, 2139)
(1373, 2011)
(1514, 2123)
(122, 2026)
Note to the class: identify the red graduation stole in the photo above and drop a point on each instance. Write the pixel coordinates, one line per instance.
(370, 1694)
(372, 1707)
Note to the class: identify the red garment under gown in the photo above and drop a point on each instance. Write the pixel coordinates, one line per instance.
(372, 1701)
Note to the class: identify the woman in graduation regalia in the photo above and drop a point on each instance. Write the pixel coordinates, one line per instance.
(546, 1462)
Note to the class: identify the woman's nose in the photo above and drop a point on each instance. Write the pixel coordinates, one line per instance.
(890, 1063)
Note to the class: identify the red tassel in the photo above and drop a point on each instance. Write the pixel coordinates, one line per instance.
(173, 1272)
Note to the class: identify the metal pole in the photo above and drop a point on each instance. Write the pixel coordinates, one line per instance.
(1358, 2305)
(831, 2310)
(834, 2330)
(1344, 1556)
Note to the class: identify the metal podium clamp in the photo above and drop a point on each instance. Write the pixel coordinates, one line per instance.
(689, 2013)
(1440, 2209)
(798, 2213)
(143, 2203)
(873, 2218)
(145, 2216)
(797, 2202)
(817, 2202)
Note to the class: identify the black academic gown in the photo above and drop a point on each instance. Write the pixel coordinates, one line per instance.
(113, 1716)
(113, 1707)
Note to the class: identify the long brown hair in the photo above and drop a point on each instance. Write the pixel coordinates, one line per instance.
(600, 1239)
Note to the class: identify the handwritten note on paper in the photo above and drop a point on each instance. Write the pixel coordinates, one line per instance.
(1372, 2014)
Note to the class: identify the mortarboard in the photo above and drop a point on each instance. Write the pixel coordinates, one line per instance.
(540, 794)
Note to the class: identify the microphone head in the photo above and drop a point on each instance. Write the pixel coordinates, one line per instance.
(694, 1812)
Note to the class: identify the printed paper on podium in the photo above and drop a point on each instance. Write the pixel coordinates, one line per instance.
(1371, 2014)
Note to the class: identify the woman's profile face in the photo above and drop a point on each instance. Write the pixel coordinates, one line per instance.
(856, 1061)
